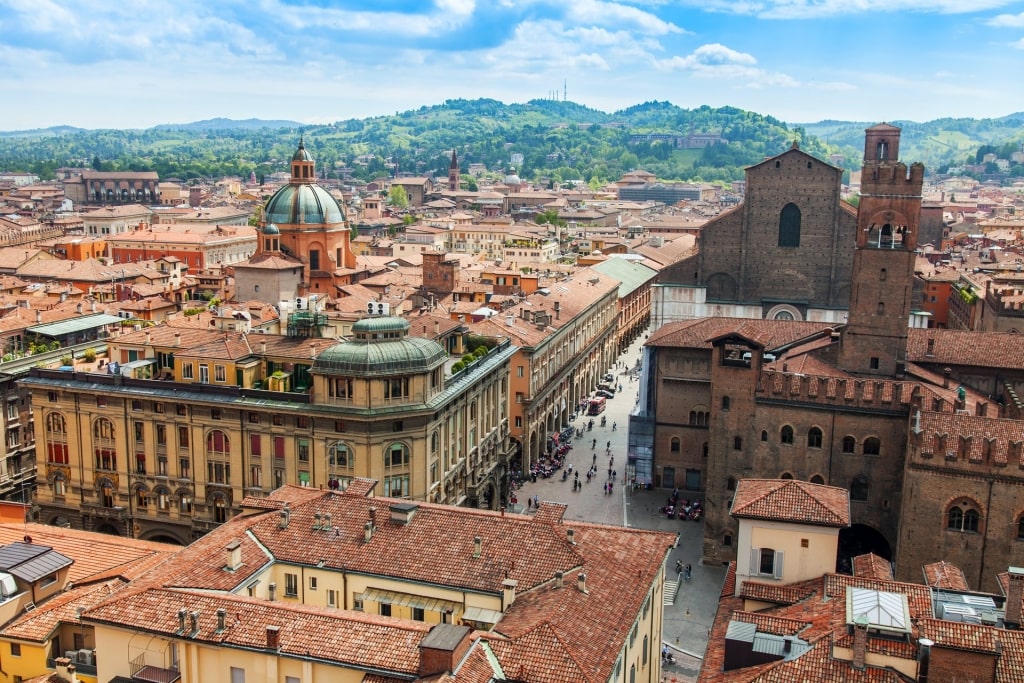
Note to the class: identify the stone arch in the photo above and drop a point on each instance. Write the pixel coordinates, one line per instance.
(783, 312)
(858, 539)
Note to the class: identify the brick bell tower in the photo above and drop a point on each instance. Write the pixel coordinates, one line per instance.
(453, 173)
(874, 341)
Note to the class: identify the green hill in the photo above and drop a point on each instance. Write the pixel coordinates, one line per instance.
(558, 141)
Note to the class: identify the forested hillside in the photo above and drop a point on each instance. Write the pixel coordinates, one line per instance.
(558, 140)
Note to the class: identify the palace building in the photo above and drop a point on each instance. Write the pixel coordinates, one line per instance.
(164, 442)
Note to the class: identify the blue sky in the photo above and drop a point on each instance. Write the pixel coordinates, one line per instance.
(134, 64)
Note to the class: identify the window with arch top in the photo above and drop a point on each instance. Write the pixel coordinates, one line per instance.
(849, 444)
(786, 434)
(814, 438)
(872, 446)
(789, 226)
(963, 517)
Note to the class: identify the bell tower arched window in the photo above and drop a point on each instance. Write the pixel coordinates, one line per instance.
(789, 226)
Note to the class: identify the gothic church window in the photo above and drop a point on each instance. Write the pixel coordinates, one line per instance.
(963, 518)
(789, 226)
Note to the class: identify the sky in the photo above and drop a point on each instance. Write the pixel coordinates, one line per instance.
(138, 63)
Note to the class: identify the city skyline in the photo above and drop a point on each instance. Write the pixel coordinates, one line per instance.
(126, 66)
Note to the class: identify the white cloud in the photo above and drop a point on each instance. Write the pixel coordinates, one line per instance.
(1007, 20)
(813, 9)
(615, 14)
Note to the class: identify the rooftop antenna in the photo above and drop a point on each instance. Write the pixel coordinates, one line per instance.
(565, 90)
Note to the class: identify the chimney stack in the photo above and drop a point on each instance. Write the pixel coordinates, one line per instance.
(326, 521)
(581, 582)
(477, 543)
(233, 555)
(274, 638)
(860, 642)
(373, 516)
(571, 533)
(1014, 594)
(946, 372)
(182, 615)
(193, 621)
(65, 669)
(924, 655)
(558, 579)
(222, 615)
(508, 591)
(177, 338)
(368, 531)
(316, 521)
(285, 518)
(271, 590)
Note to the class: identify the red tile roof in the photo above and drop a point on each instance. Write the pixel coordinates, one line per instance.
(872, 566)
(792, 500)
(943, 574)
(770, 592)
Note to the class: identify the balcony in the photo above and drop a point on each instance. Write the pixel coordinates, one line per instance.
(141, 671)
(117, 512)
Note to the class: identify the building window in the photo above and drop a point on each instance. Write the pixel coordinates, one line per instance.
(417, 614)
(302, 422)
(56, 439)
(699, 418)
(849, 444)
(786, 434)
(730, 484)
(237, 675)
(963, 517)
(396, 456)
(814, 438)
(187, 371)
(674, 445)
(339, 456)
(101, 401)
(789, 226)
(396, 486)
(312, 583)
(181, 409)
(737, 443)
(385, 609)
(15, 649)
(859, 488)
(254, 418)
(332, 598)
(766, 562)
(785, 475)
(874, 362)
(764, 435)
(727, 540)
(817, 479)
(872, 446)
(215, 413)
(725, 403)
(302, 449)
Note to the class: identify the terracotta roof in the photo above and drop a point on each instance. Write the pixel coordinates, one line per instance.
(542, 630)
(966, 347)
(770, 334)
(872, 566)
(792, 500)
(39, 624)
(770, 592)
(943, 574)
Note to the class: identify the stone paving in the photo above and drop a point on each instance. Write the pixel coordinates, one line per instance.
(688, 620)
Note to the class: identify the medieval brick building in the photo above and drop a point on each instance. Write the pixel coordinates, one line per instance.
(921, 426)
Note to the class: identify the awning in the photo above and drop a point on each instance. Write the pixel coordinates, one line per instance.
(76, 324)
(407, 600)
(482, 615)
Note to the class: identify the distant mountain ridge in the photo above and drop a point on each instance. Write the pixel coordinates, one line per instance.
(221, 123)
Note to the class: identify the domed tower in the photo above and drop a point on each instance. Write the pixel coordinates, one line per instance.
(313, 227)
(874, 341)
(453, 173)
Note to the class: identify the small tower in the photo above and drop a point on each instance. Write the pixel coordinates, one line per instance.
(874, 341)
(453, 173)
(303, 166)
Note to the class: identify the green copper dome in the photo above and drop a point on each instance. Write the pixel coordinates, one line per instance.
(271, 229)
(381, 347)
(301, 154)
(303, 203)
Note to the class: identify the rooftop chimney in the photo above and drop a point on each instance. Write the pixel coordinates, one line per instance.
(65, 669)
(193, 622)
(571, 533)
(558, 579)
(285, 518)
(476, 546)
(581, 582)
(182, 615)
(368, 531)
(177, 338)
(274, 638)
(316, 521)
(233, 555)
(860, 642)
(326, 521)
(1014, 593)
(443, 648)
(787, 645)
(222, 615)
(946, 372)
(271, 590)
(924, 655)
(508, 591)
(373, 516)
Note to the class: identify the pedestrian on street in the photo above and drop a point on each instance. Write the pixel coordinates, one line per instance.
(609, 472)
(686, 571)
(529, 503)
(536, 502)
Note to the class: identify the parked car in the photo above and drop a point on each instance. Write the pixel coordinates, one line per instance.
(606, 387)
(604, 394)
(608, 377)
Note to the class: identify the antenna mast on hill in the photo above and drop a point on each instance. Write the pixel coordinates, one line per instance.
(565, 90)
